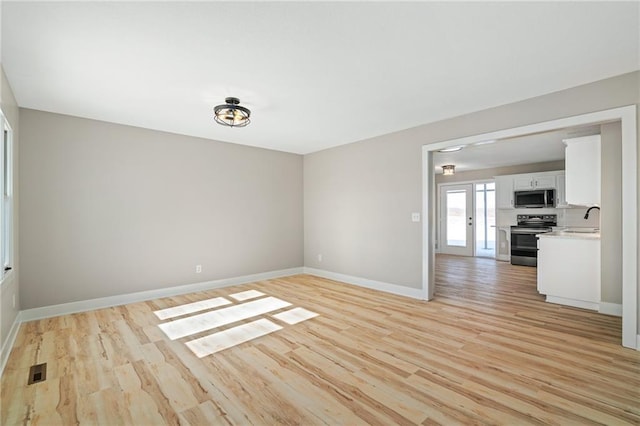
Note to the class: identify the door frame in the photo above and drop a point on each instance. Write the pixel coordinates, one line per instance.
(627, 117)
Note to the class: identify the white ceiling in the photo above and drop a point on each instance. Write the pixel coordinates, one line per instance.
(314, 74)
(535, 148)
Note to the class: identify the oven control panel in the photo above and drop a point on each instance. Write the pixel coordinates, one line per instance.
(537, 219)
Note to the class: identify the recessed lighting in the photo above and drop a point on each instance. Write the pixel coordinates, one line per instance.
(484, 142)
(451, 149)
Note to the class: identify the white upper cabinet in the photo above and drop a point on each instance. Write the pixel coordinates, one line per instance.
(506, 185)
(525, 182)
(504, 192)
(582, 170)
(561, 198)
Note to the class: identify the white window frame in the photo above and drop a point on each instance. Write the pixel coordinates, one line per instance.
(6, 201)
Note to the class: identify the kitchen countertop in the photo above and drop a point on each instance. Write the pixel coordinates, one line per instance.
(573, 233)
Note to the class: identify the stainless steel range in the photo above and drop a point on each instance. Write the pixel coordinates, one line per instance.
(524, 240)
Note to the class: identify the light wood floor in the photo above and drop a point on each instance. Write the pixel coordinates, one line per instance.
(487, 350)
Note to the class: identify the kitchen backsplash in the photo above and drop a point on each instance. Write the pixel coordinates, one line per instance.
(573, 217)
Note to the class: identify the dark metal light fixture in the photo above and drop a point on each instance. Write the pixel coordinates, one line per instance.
(232, 114)
(448, 170)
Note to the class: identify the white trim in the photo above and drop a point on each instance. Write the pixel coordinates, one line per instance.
(429, 228)
(7, 345)
(415, 293)
(593, 306)
(122, 299)
(629, 227)
(607, 308)
(627, 116)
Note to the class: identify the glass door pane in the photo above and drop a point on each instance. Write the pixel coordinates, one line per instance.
(456, 218)
(485, 219)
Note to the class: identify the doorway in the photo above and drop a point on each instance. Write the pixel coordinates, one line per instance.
(467, 219)
(627, 117)
(456, 219)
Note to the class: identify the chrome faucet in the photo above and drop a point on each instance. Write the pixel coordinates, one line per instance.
(586, 216)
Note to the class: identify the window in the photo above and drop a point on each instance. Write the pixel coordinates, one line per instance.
(485, 219)
(6, 203)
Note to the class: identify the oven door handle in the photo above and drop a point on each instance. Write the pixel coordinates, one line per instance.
(529, 232)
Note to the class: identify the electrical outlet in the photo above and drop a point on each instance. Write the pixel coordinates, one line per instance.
(319, 258)
(198, 269)
(415, 217)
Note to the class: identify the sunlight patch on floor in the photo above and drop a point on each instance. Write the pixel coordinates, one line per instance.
(216, 342)
(190, 308)
(295, 315)
(218, 316)
(246, 295)
(209, 320)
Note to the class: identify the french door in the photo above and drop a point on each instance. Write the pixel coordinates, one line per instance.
(456, 219)
(468, 219)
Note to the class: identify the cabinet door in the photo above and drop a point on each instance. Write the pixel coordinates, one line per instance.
(582, 161)
(561, 200)
(569, 268)
(523, 182)
(544, 182)
(504, 192)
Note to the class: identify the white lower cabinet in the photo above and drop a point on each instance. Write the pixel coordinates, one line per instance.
(569, 270)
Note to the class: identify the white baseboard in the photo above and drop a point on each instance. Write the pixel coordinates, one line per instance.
(122, 299)
(7, 345)
(607, 308)
(415, 293)
(572, 302)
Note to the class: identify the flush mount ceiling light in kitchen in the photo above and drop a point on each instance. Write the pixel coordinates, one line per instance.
(231, 113)
(448, 170)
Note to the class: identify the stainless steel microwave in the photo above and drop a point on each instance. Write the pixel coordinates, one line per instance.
(535, 199)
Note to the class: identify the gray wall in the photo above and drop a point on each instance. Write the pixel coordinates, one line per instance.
(359, 197)
(10, 286)
(108, 209)
(358, 203)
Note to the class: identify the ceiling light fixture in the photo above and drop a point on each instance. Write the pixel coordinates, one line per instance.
(448, 170)
(232, 114)
(451, 149)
